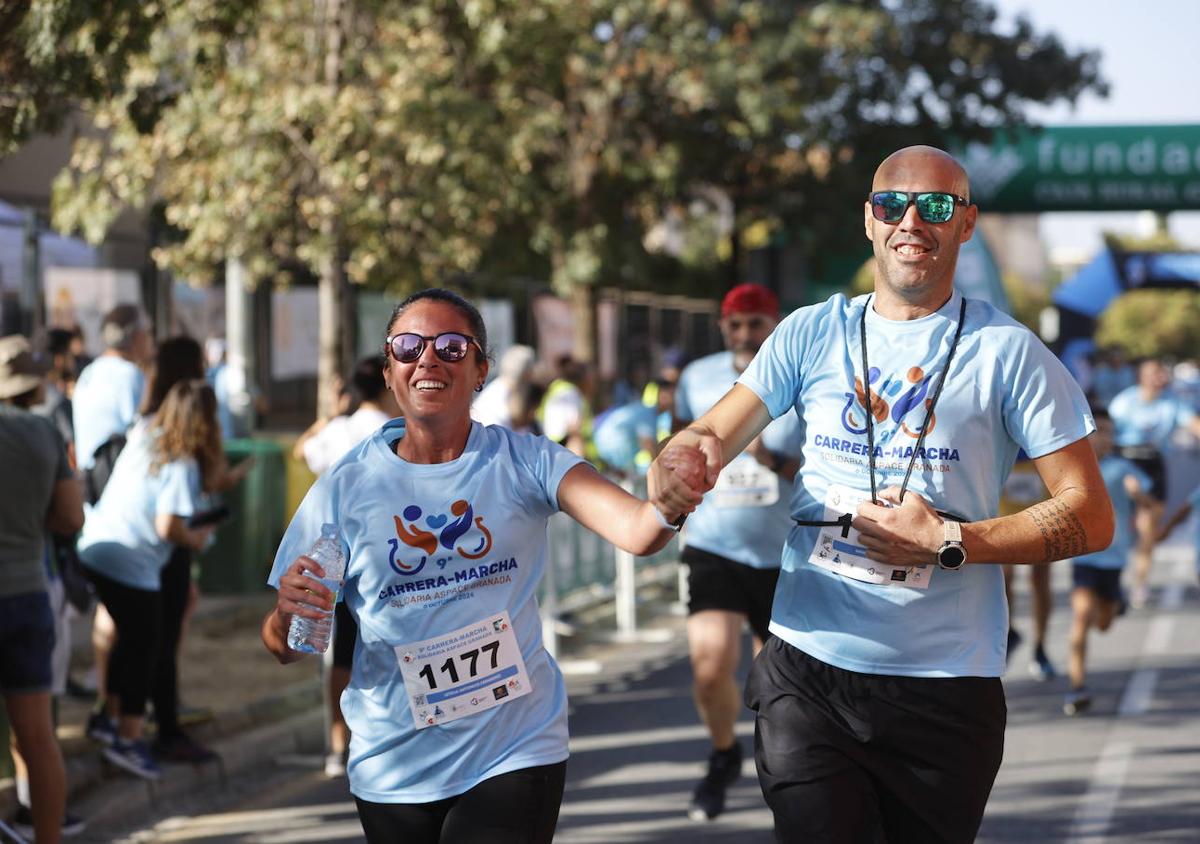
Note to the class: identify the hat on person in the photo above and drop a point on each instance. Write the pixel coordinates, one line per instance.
(750, 299)
(20, 371)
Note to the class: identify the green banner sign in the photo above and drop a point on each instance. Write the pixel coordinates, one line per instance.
(1088, 168)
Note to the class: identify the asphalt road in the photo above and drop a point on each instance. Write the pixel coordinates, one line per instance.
(1127, 771)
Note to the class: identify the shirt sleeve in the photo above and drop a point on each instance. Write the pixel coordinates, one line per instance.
(547, 463)
(775, 375)
(1045, 409)
(179, 494)
(317, 509)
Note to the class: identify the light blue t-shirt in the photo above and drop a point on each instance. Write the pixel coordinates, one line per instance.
(1114, 469)
(1194, 501)
(218, 379)
(619, 432)
(104, 403)
(1006, 392)
(1147, 423)
(501, 491)
(119, 539)
(752, 535)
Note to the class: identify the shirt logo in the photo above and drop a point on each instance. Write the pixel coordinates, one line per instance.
(426, 534)
(894, 397)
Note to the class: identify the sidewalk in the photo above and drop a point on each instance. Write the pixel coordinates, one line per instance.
(263, 712)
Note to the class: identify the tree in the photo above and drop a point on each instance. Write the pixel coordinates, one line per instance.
(398, 143)
(1153, 323)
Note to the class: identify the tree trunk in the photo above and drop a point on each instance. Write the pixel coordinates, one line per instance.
(331, 292)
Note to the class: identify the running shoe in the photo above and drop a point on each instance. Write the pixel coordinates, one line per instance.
(101, 729)
(1077, 702)
(22, 822)
(708, 800)
(134, 757)
(182, 748)
(335, 765)
(1041, 668)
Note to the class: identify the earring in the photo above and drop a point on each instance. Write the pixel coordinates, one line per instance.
(479, 387)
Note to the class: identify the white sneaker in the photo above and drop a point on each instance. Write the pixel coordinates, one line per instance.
(1139, 597)
(335, 765)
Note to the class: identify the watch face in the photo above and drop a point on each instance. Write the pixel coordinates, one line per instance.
(951, 556)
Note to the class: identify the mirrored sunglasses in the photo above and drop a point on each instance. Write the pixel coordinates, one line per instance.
(449, 346)
(890, 206)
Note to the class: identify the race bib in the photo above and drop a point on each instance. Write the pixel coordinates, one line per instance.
(463, 672)
(745, 483)
(846, 557)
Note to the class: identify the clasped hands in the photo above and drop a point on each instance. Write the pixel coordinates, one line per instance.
(897, 533)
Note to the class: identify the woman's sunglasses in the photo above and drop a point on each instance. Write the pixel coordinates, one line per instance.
(890, 206)
(450, 346)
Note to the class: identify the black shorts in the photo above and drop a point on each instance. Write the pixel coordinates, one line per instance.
(345, 634)
(851, 758)
(26, 643)
(520, 806)
(1151, 462)
(717, 583)
(1104, 582)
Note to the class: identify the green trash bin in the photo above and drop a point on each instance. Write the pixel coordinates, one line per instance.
(240, 559)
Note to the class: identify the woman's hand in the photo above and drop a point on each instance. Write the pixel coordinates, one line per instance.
(298, 594)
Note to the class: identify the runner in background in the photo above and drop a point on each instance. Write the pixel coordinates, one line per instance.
(733, 541)
(1146, 415)
(1096, 578)
(1023, 489)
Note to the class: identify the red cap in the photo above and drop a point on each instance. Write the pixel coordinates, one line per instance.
(750, 299)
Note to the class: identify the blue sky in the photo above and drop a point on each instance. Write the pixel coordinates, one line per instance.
(1151, 59)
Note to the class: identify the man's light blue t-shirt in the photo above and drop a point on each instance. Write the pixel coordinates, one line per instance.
(1006, 391)
(1147, 423)
(105, 402)
(1114, 470)
(119, 539)
(751, 535)
(484, 515)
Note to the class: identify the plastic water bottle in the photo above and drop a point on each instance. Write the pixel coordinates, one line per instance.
(312, 635)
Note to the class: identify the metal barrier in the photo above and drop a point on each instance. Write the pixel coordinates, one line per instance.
(583, 571)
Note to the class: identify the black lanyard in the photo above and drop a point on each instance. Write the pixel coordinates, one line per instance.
(844, 520)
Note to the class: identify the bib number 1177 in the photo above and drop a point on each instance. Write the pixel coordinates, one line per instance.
(469, 658)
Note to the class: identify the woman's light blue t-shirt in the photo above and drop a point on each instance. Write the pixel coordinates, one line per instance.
(119, 539)
(753, 535)
(399, 594)
(1006, 392)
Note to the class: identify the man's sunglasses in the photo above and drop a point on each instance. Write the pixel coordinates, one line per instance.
(890, 206)
(450, 346)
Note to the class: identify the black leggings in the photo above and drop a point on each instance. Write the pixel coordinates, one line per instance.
(137, 613)
(520, 807)
(176, 582)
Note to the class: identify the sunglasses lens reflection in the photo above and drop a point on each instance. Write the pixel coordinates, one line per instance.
(935, 207)
(451, 347)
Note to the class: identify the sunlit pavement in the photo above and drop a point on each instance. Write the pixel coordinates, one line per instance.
(1127, 771)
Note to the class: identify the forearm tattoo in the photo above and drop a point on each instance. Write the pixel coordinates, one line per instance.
(1061, 529)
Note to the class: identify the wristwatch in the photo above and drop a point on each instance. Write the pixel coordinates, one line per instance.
(952, 554)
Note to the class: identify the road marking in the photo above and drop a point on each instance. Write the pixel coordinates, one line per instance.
(1095, 812)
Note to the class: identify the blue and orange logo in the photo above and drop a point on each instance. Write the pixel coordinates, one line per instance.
(893, 397)
(460, 531)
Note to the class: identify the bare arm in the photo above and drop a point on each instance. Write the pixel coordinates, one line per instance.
(1076, 519)
(604, 508)
(175, 530)
(65, 514)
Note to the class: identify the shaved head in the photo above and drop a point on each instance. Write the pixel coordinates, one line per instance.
(915, 259)
(922, 162)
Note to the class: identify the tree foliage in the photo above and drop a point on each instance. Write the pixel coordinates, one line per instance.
(1153, 323)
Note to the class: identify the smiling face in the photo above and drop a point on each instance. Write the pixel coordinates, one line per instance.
(914, 260)
(430, 389)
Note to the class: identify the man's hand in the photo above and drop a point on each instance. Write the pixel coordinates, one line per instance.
(907, 534)
(682, 473)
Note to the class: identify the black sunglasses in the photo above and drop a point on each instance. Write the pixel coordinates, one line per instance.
(450, 346)
(890, 206)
